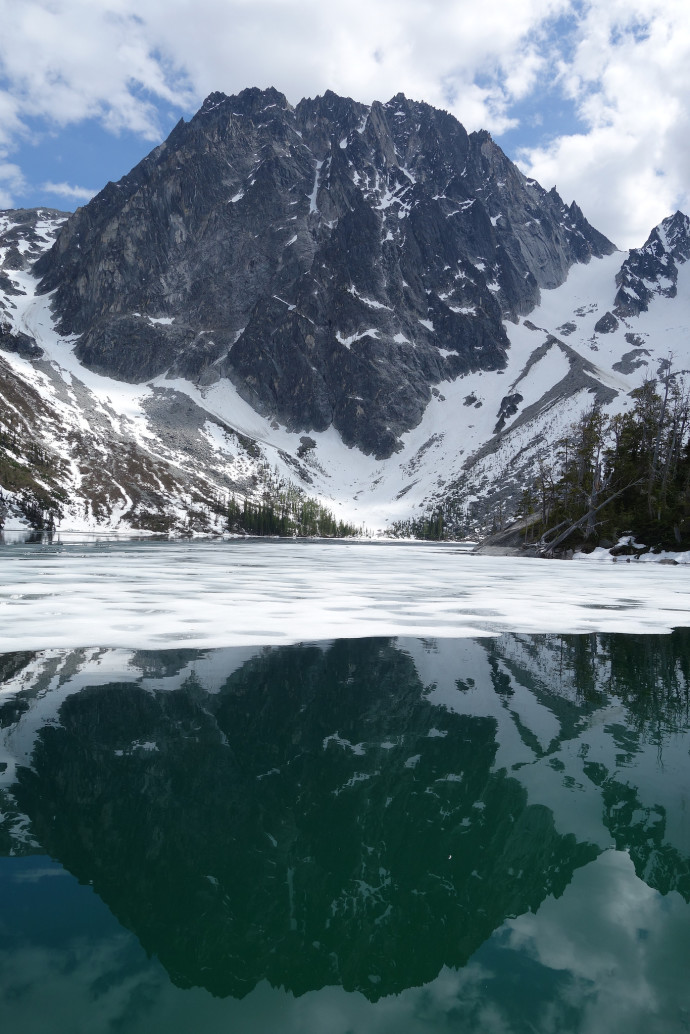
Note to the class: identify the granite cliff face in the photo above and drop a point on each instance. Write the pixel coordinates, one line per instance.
(333, 260)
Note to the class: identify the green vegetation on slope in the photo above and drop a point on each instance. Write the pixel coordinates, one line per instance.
(629, 473)
(286, 513)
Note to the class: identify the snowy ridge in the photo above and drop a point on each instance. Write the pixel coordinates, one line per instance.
(652, 269)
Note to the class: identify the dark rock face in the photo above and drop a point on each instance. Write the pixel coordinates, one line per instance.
(631, 361)
(607, 324)
(334, 260)
(23, 235)
(509, 407)
(17, 341)
(264, 847)
(653, 269)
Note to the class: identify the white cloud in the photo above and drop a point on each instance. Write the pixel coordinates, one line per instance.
(624, 65)
(73, 59)
(623, 946)
(11, 183)
(67, 60)
(629, 77)
(69, 191)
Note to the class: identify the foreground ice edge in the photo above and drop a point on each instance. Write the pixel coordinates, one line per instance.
(210, 595)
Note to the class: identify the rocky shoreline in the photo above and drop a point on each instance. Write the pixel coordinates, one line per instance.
(510, 542)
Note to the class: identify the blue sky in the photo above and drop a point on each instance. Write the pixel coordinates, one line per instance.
(82, 156)
(590, 95)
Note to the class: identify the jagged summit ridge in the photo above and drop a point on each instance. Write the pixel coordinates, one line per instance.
(334, 260)
(653, 268)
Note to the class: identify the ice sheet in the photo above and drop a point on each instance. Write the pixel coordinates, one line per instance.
(248, 593)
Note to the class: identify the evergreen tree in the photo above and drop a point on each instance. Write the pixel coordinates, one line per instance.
(626, 473)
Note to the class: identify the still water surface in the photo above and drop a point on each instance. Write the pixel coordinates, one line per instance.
(372, 835)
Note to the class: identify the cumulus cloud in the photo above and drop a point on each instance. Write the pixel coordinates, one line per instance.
(623, 64)
(11, 183)
(623, 951)
(629, 76)
(68, 191)
(73, 59)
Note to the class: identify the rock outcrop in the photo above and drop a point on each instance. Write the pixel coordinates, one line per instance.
(653, 269)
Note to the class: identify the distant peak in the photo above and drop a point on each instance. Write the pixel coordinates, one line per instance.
(673, 234)
(482, 136)
(255, 93)
(330, 99)
(675, 224)
(677, 217)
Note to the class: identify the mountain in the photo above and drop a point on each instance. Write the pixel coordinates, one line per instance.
(325, 295)
(332, 260)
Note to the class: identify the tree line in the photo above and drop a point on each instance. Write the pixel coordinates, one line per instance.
(286, 514)
(432, 527)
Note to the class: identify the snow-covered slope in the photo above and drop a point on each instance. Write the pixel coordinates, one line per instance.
(165, 454)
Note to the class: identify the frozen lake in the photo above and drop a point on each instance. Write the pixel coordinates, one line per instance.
(300, 787)
(239, 593)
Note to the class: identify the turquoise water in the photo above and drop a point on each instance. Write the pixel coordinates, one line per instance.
(367, 835)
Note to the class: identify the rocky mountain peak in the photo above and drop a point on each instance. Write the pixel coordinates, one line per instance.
(652, 269)
(675, 235)
(333, 260)
(250, 102)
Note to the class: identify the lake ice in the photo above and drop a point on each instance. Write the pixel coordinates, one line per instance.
(239, 593)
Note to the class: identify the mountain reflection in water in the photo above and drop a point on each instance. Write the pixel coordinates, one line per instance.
(363, 814)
